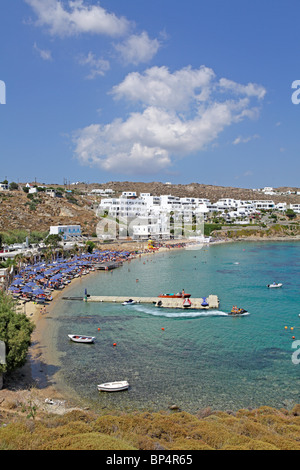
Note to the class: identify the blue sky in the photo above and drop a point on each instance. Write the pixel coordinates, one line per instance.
(161, 90)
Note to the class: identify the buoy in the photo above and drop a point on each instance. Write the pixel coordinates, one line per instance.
(98, 329)
(163, 329)
(285, 327)
(293, 337)
(115, 344)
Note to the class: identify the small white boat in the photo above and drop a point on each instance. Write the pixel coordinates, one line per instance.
(82, 338)
(275, 284)
(129, 302)
(113, 386)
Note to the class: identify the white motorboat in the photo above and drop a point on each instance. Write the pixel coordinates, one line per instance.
(113, 386)
(275, 284)
(129, 302)
(82, 338)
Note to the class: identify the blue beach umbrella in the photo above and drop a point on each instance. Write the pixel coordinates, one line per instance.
(13, 289)
(38, 291)
(26, 289)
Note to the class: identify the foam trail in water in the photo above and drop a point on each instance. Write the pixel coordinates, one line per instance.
(179, 314)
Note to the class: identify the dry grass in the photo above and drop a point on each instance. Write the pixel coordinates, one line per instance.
(261, 429)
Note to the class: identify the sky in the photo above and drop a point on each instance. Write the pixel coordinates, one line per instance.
(193, 91)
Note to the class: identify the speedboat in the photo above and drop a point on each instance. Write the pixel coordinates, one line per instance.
(113, 386)
(275, 284)
(237, 311)
(129, 302)
(175, 296)
(82, 339)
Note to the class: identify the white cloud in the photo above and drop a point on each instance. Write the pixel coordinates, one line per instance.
(73, 17)
(44, 54)
(251, 89)
(244, 140)
(97, 66)
(158, 87)
(138, 48)
(177, 114)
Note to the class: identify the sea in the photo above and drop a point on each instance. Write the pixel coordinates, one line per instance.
(189, 359)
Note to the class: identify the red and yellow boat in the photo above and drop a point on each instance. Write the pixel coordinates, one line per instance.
(179, 295)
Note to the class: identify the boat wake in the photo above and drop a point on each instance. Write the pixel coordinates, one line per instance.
(169, 313)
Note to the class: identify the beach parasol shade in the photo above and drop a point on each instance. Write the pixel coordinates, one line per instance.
(38, 291)
(31, 284)
(26, 289)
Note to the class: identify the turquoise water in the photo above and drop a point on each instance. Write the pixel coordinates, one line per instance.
(201, 358)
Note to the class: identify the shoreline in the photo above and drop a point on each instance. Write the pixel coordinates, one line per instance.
(31, 382)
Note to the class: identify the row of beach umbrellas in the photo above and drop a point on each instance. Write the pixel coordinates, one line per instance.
(35, 279)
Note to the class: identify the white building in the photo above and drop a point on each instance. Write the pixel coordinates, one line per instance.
(265, 205)
(123, 207)
(170, 203)
(295, 208)
(281, 206)
(150, 227)
(128, 194)
(51, 192)
(268, 190)
(67, 232)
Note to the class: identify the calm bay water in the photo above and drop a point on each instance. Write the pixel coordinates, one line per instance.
(199, 358)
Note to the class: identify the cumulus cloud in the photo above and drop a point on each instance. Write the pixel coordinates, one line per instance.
(73, 17)
(178, 114)
(138, 48)
(158, 87)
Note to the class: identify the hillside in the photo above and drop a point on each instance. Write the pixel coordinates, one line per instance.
(39, 211)
(213, 193)
(17, 212)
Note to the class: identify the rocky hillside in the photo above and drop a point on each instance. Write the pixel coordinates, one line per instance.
(213, 193)
(39, 211)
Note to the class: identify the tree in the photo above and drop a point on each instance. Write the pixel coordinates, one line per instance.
(13, 186)
(15, 332)
(90, 246)
(290, 214)
(53, 240)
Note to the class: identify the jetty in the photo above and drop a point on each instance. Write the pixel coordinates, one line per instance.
(210, 302)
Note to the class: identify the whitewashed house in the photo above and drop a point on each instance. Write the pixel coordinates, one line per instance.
(67, 232)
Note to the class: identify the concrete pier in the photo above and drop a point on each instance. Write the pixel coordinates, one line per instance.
(212, 300)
